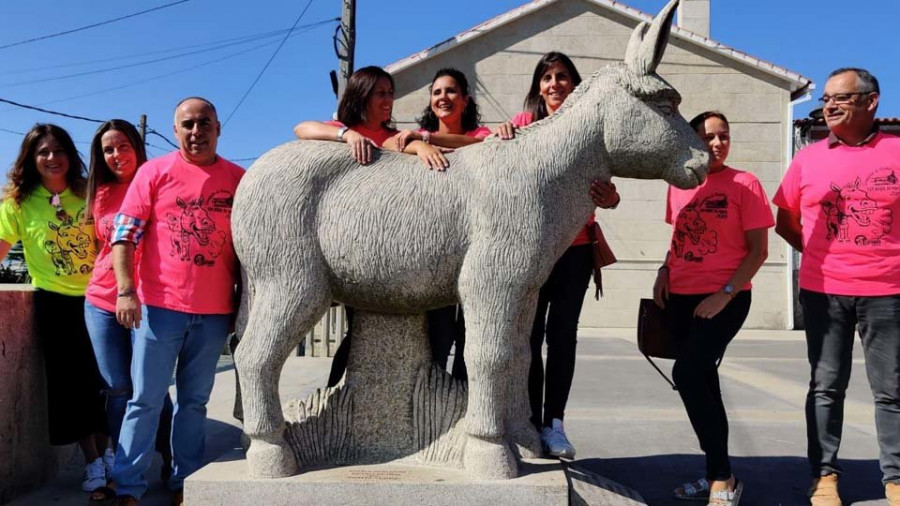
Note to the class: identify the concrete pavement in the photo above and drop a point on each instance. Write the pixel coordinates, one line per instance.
(627, 424)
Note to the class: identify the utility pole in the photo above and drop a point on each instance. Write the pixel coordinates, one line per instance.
(346, 44)
(142, 129)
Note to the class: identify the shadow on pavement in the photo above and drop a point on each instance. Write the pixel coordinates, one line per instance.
(769, 481)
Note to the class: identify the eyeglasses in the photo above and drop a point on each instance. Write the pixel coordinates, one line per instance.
(842, 98)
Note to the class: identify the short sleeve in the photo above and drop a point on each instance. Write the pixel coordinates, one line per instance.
(755, 209)
(139, 198)
(10, 226)
(669, 218)
(479, 133)
(522, 119)
(788, 195)
(333, 122)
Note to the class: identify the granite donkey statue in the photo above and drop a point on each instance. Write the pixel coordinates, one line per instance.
(311, 225)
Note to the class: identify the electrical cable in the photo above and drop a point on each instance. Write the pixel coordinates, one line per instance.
(145, 62)
(161, 136)
(101, 23)
(266, 66)
(162, 76)
(56, 113)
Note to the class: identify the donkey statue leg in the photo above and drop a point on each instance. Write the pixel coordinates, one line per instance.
(491, 309)
(279, 317)
(521, 433)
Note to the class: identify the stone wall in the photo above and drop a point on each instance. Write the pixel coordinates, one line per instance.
(26, 457)
(499, 65)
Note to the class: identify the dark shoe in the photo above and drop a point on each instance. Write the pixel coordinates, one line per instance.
(693, 491)
(105, 496)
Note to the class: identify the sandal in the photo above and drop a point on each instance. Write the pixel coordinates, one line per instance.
(727, 497)
(693, 491)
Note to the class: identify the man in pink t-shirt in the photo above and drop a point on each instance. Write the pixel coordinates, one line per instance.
(838, 205)
(179, 208)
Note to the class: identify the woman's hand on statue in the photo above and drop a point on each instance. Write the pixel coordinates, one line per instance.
(360, 146)
(433, 156)
(604, 194)
(405, 137)
(712, 305)
(661, 287)
(506, 131)
(128, 311)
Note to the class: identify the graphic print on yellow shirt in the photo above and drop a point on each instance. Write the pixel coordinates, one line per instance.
(59, 249)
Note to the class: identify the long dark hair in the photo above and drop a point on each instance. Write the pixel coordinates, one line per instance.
(534, 102)
(352, 107)
(24, 177)
(99, 172)
(471, 118)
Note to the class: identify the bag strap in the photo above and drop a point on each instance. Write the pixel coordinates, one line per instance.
(669, 381)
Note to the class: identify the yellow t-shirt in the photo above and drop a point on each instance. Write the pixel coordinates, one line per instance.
(59, 250)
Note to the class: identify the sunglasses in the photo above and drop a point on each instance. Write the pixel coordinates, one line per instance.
(61, 213)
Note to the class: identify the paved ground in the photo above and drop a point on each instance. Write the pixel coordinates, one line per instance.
(628, 424)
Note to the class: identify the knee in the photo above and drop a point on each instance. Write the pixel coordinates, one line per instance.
(119, 391)
(686, 374)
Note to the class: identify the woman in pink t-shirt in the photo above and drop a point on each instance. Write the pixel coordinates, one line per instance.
(562, 295)
(117, 152)
(719, 241)
(364, 121)
(450, 120)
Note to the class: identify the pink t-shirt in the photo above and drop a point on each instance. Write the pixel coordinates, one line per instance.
(379, 136)
(188, 262)
(478, 133)
(524, 119)
(847, 198)
(102, 289)
(709, 225)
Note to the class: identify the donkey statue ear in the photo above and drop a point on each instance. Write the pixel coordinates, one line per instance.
(647, 45)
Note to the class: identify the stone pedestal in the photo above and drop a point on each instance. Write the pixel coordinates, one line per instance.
(26, 457)
(226, 483)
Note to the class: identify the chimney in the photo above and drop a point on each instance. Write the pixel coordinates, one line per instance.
(693, 15)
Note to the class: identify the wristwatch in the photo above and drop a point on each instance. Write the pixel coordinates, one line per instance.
(729, 290)
(341, 132)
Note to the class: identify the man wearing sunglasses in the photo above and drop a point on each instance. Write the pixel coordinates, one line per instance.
(839, 204)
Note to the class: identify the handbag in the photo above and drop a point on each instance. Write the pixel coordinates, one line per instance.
(602, 255)
(653, 336)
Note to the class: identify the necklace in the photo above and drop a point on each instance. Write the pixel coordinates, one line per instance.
(56, 202)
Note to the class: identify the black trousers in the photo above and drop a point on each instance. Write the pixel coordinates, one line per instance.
(702, 345)
(445, 326)
(75, 402)
(556, 320)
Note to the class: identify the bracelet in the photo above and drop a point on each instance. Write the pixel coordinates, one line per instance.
(126, 293)
(426, 137)
(341, 132)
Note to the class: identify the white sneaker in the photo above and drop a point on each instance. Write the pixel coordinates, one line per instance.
(94, 475)
(555, 442)
(109, 461)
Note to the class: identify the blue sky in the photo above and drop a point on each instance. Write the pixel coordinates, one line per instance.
(807, 36)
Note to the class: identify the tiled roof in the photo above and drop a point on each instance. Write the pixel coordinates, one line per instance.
(797, 82)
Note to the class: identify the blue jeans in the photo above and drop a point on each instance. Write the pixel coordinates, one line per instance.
(165, 338)
(112, 348)
(830, 324)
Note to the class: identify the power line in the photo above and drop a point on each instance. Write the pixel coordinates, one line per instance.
(266, 66)
(56, 113)
(11, 131)
(163, 76)
(101, 23)
(148, 62)
(161, 136)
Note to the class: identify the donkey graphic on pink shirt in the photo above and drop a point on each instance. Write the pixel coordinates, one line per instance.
(851, 201)
(194, 223)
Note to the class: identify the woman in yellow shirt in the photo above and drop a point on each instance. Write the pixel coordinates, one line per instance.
(43, 206)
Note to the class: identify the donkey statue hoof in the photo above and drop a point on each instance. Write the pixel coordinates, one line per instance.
(268, 460)
(526, 441)
(489, 459)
